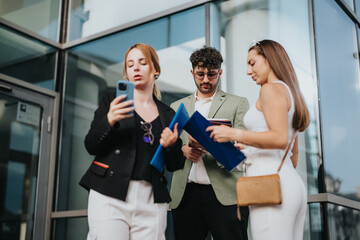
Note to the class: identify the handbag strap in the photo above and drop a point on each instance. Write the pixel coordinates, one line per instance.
(287, 150)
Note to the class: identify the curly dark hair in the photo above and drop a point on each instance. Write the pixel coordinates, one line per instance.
(206, 57)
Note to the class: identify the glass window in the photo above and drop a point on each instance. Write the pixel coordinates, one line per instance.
(95, 67)
(39, 16)
(315, 227)
(338, 72)
(90, 17)
(27, 59)
(70, 228)
(350, 3)
(234, 27)
(357, 7)
(344, 223)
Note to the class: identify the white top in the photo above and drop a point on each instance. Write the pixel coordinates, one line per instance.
(254, 120)
(198, 172)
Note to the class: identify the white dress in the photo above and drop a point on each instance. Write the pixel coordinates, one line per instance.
(284, 221)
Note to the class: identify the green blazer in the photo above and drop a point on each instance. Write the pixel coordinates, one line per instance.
(225, 106)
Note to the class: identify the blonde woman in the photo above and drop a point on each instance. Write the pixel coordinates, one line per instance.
(128, 197)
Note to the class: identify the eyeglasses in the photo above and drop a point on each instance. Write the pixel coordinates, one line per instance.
(148, 135)
(211, 75)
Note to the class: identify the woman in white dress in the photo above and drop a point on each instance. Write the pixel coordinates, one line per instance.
(279, 112)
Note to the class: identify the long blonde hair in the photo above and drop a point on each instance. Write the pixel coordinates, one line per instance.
(281, 65)
(152, 57)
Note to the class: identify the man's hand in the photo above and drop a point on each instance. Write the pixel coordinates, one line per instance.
(193, 143)
(191, 153)
(239, 146)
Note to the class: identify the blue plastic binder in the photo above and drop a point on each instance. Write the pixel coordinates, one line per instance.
(181, 117)
(225, 153)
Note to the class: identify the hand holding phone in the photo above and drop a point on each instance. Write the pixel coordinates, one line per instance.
(120, 107)
(124, 87)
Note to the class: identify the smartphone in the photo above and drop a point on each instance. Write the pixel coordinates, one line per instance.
(125, 87)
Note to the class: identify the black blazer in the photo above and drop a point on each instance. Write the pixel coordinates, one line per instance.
(114, 150)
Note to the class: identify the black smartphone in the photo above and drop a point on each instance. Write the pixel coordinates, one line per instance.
(125, 87)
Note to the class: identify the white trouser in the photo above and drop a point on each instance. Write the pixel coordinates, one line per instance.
(284, 221)
(137, 218)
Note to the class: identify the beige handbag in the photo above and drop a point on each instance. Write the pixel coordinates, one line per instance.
(260, 190)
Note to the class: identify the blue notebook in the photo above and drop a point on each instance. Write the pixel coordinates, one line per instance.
(225, 153)
(181, 117)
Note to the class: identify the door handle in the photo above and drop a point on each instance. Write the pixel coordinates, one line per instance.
(5, 88)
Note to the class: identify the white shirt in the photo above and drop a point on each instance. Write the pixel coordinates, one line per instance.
(198, 172)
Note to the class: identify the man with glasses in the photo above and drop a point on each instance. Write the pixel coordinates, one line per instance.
(203, 193)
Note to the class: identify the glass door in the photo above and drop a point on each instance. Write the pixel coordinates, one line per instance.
(25, 150)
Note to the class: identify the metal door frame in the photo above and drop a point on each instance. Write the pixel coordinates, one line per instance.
(49, 101)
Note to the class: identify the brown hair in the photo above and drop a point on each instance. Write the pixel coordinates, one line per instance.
(152, 57)
(280, 63)
(206, 57)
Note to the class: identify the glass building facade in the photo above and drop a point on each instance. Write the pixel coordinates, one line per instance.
(57, 58)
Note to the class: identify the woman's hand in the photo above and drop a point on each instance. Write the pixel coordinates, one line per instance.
(168, 137)
(119, 110)
(223, 133)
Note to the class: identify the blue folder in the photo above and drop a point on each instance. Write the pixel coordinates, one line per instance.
(225, 153)
(181, 117)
